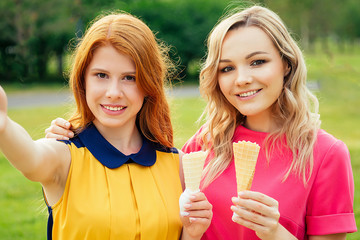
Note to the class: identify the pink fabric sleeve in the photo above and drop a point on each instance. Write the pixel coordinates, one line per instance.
(193, 144)
(330, 206)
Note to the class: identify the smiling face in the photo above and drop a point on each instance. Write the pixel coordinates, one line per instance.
(251, 73)
(111, 90)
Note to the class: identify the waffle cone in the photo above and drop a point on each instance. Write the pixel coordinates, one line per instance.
(245, 156)
(193, 164)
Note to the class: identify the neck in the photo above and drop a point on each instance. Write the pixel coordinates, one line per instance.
(126, 140)
(260, 123)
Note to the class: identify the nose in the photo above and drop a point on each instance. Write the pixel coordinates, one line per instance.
(114, 89)
(243, 76)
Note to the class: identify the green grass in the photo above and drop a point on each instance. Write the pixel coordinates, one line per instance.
(22, 211)
(338, 77)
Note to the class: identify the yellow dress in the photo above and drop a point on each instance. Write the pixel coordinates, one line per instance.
(109, 195)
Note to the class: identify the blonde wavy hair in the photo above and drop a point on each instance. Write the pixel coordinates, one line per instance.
(295, 111)
(130, 36)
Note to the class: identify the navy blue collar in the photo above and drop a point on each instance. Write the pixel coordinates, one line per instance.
(111, 157)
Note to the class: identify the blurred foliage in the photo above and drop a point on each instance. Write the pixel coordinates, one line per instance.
(36, 33)
(183, 25)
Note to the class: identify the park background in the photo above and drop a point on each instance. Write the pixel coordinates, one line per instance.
(38, 35)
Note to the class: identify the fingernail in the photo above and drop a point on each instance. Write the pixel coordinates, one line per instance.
(71, 134)
(192, 219)
(187, 205)
(235, 217)
(67, 124)
(240, 194)
(184, 214)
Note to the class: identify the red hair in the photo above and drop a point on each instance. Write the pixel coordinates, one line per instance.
(132, 37)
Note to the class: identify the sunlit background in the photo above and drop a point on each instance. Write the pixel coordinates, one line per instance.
(37, 37)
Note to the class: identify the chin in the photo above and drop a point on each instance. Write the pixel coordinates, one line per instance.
(108, 123)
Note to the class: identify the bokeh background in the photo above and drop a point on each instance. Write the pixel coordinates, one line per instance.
(35, 34)
(37, 37)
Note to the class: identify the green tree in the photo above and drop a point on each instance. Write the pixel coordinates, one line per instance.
(184, 25)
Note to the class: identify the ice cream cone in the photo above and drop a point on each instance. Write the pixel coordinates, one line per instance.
(193, 164)
(245, 156)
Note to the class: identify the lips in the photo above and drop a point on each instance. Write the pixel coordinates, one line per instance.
(113, 108)
(249, 93)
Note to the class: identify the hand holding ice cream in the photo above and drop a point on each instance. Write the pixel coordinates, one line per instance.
(193, 164)
(195, 209)
(245, 211)
(245, 157)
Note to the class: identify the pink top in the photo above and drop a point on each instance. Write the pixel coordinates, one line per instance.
(324, 206)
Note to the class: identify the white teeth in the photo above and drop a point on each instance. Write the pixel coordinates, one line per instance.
(248, 93)
(114, 108)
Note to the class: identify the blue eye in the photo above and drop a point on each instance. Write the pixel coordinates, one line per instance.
(226, 69)
(257, 62)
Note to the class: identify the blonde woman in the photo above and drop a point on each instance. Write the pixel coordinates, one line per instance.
(118, 178)
(254, 81)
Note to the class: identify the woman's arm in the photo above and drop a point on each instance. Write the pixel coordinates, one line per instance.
(45, 161)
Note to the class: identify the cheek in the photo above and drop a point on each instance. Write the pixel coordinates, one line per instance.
(224, 85)
(136, 95)
(276, 86)
(273, 78)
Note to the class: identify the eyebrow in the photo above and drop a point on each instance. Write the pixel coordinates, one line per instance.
(104, 70)
(247, 56)
(255, 53)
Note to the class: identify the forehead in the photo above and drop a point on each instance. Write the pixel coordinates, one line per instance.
(108, 56)
(244, 40)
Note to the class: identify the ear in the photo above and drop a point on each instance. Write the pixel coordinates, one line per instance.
(287, 68)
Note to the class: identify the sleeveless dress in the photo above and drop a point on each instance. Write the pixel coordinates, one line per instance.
(109, 195)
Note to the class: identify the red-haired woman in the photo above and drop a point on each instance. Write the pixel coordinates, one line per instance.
(118, 177)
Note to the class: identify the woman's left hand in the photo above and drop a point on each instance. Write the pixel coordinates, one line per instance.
(260, 213)
(198, 218)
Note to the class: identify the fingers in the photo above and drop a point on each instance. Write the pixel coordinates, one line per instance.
(198, 207)
(59, 130)
(259, 203)
(249, 220)
(256, 211)
(198, 215)
(260, 197)
(61, 123)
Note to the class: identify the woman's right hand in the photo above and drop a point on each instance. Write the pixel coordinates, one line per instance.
(59, 129)
(196, 216)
